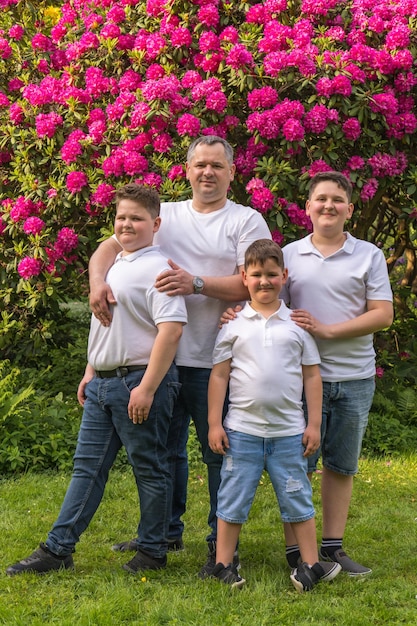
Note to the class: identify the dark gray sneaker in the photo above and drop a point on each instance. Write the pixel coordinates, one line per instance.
(209, 565)
(305, 577)
(174, 545)
(348, 565)
(143, 561)
(41, 561)
(228, 575)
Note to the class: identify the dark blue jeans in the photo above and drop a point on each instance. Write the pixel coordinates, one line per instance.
(192, 404)
(105, 428)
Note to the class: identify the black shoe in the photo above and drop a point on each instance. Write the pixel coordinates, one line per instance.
(228, 575)
(41, 561)
(208, 567)
(305, 577)
(348, 565)
(126, 546)
(143, 561)
(174, 545)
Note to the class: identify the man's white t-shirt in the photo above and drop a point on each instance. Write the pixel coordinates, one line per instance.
(206, 244)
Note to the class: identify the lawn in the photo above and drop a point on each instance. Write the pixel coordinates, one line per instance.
(381, 533)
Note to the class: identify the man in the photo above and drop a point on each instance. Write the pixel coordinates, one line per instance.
(206, 239)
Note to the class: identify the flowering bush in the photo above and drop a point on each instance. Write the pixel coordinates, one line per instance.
(96, 93)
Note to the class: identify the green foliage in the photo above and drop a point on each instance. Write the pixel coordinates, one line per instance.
(38, 430)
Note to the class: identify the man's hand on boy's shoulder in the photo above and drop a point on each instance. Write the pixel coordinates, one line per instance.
(305, 320)
(229, 314)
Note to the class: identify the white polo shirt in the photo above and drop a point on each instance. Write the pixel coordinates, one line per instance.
(140, 307)
(335, 289)
(266, 381)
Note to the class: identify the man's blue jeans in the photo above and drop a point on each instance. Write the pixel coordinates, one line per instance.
(105, 427)
(191, 404)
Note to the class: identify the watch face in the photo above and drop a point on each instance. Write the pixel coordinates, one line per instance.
(198, 284)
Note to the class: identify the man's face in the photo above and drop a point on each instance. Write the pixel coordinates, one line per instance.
(210, 175)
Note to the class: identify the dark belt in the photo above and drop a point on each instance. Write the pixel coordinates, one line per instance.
(120, 371)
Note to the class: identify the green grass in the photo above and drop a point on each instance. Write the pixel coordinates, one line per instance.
(381, 533)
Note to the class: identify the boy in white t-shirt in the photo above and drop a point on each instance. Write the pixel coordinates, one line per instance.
(128, 391)
(266, 359)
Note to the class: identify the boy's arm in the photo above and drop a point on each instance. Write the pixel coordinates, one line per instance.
(313, 391)
(217, 388)
(100, 293)
(162, 355)
(178, 281)
(379, 314)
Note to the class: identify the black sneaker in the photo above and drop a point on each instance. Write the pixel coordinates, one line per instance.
(143, 561)
(209, 565)
(41, 561)
(305, 577)
(348, 565)
(174, 545)
(228, 575)
(126, 546)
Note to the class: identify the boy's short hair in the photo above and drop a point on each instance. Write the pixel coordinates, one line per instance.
(147, 197)
(337, 177)
(261, 251)
(210, 140)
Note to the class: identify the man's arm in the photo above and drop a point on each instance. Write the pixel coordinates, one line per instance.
(162, 355)
(313, 390)
(379, 315)
(177, 281)
(100, 293)
(217, 388)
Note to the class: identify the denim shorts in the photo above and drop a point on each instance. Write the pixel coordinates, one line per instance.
(243, 464)
(346, 407)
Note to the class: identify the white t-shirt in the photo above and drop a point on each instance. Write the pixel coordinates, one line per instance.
(266, 381)
(140, 307)
(335, 289)
(206, 244)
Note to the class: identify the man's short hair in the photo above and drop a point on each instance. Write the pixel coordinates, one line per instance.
(147, 197)
(261, 251)
(210, 140)
(337, 177)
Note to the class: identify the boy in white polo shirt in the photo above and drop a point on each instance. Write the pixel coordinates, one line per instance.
(128, 392)
(266, 360)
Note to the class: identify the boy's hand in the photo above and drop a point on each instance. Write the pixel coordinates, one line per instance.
(218, 440)
(311, 440)
(101, 296)
(139, 405)
(229, 315)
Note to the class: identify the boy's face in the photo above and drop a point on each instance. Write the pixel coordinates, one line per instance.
(264, 282)
(134, 227)
(209, 174)
(329, 208)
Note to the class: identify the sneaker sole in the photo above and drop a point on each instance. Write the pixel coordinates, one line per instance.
(298, 584)
(238, 584)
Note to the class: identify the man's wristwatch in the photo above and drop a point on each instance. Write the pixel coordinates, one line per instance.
(198, 284)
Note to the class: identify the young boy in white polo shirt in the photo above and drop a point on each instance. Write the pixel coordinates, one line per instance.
(128, 392)
(266, 360)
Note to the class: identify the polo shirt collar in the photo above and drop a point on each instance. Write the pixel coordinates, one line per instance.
(307, 247)
(137, 253)
(283, 312)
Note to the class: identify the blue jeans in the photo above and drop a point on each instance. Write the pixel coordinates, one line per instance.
(346, 407)
(192, 404)
(105, 428)
(245, 460)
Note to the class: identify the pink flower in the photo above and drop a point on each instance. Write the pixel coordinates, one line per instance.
(76, 181)
(29, 267)
(277, 237)
(66, 241)
(239, 56)
(16, 32)
(216, 101)
(293, 130)
(176, 172)
(103, 195)
(181, 37)
(33, 225)
(262, 199)
(5, 48)
(379, 372)
(263, 98)
(47, 123)
(41, 42)
(16, 113)
(355, 163)
(208, 15)
(188, 124)
(352, 129)
(369, 189)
